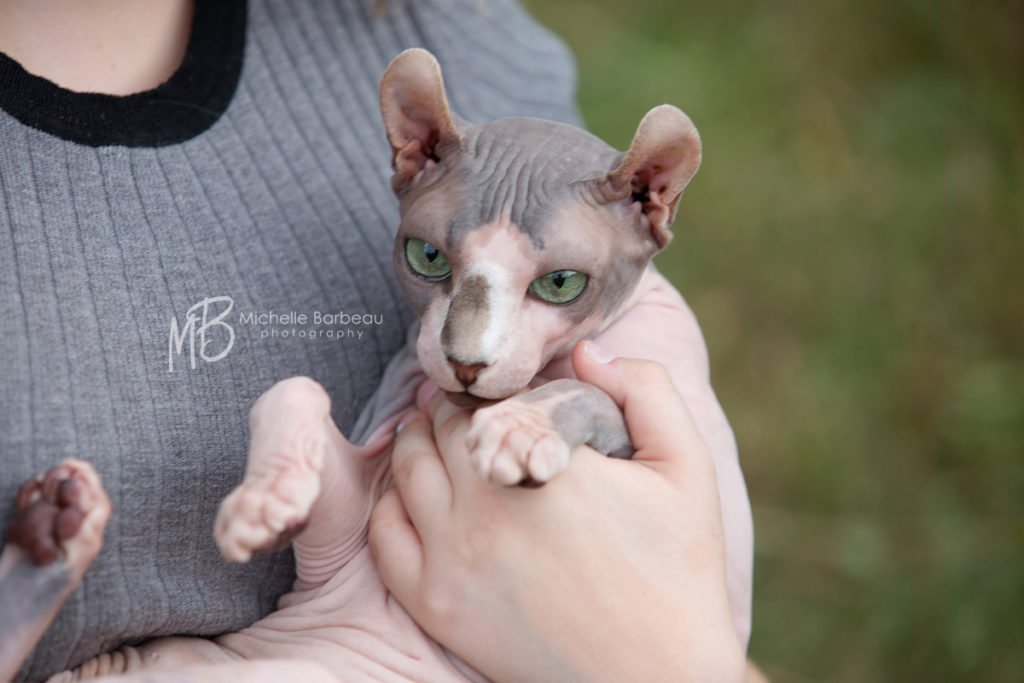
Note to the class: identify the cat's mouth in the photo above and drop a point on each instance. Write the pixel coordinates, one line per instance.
(467, 399)
(464, 399)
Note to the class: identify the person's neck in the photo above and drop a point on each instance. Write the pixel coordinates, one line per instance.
(118, 47)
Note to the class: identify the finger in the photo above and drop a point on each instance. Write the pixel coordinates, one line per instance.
(440, 408)
(660, 425)
(395, 546)
(450, 426)
(419, 474)
(425, 392)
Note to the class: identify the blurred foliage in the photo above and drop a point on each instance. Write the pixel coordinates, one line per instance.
(853, 247)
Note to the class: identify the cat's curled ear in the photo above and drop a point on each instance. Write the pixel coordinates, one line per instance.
(661, 160)
(419, 123)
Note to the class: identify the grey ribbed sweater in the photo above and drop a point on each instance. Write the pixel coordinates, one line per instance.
(283, 206)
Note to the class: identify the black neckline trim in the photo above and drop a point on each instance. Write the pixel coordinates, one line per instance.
(188, 103)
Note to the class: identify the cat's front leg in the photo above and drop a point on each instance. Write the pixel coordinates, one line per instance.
(529, 437)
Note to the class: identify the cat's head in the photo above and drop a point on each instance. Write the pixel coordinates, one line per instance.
(520, 237)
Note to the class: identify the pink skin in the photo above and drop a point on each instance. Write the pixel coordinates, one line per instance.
(304, 480)
(484, 314)
(340, 614)
(660, 326)
(529, 332)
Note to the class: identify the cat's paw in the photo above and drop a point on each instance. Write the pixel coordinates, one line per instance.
(282, 480)
(515, 441)
(264, 514)
(61, 517)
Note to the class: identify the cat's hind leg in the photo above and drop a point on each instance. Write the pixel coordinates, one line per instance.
(304, 482)
(56, 534)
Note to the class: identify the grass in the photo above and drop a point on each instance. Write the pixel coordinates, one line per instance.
(853, 247)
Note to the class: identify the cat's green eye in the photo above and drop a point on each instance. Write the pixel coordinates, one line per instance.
(559, 287)
(426, 260)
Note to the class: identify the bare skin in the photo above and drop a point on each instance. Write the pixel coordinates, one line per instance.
(105, 46)
(56, 534)
(302, 469)
(489, 569)
(341, 614)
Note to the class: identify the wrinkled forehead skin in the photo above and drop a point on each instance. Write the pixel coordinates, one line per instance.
(527, 167)
(540, 177)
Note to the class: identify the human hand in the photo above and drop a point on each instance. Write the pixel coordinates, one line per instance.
(614, 570)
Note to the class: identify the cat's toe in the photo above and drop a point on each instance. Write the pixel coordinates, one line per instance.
(506, 469)
(259, 517)
(61, 516)
(548, 457)
(513, 442)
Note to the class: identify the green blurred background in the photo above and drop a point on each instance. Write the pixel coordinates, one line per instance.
(852, 247)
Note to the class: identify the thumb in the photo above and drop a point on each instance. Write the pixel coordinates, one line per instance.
(660, 425)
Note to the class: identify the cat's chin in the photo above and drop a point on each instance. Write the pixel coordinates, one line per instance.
(465, 399)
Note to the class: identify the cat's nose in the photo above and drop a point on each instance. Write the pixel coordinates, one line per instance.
(466, 372)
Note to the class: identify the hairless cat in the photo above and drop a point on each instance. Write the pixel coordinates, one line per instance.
(518, 239)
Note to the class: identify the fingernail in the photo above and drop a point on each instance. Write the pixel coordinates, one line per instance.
(425, 393)
(406, 419)
(596, 353)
